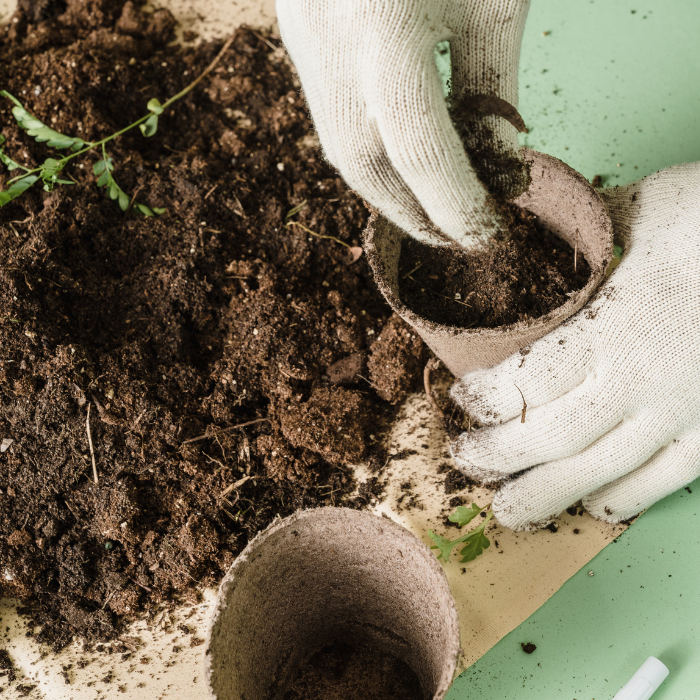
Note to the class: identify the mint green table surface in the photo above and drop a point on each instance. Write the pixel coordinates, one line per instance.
(614, 81)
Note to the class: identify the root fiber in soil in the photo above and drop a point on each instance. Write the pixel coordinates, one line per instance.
(231, 365)
(517, 277)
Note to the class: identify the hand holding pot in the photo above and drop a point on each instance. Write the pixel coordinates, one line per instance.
(370, 80)
(613, 395)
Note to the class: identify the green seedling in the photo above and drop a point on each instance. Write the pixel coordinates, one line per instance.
(49, 172)
(474, 541)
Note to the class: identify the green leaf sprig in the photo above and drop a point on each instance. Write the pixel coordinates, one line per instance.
(49, 171)
(474, 541)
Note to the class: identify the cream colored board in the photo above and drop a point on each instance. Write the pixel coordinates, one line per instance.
(497, 591)
(208, 18)
(505, 585)
(164, 661)
(7, 7)
(217, 18)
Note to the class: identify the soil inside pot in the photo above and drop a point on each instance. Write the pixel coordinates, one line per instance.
(516, 278)
(174, 330)
(354, 672)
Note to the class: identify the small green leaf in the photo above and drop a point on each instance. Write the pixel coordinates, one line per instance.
(6, 160)
(103, 165)
(475, 543)
(155, 106)
(113, 189)
(103, 179)
(123, 200)
(16, 189)
(36, 128)
(50, 167)
(150, 126)
(159, 210)
(443, 544)
(464, 515)
(146, 211)
(295, 210)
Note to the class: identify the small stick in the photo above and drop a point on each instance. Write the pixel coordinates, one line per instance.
(432, 363)
(262, 38)
(109, 597)
(242, 213)
(408, 274)
(318, 235)
(224, 430)
(92, 449)
(145, 588)
(230, 487)
(211, 191)
(456, 301)
(133, 197)
(524, 411)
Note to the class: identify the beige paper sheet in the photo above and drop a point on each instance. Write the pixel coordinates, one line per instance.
(494, 594)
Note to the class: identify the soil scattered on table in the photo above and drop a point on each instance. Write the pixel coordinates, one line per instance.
(7, 668)
(175, 330)
(528, 647)
(354, 672)
(518, 277)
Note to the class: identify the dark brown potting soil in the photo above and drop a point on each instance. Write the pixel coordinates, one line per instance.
(348, 672)
(518, 277)
(162, 335)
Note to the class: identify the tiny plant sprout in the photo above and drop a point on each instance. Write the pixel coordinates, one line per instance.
(49, 172)
(474, 541)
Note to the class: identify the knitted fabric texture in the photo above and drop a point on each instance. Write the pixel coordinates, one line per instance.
(368, 72)
(613, 395)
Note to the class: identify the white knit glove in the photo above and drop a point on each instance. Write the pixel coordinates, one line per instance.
(368, 72)
(613, 395)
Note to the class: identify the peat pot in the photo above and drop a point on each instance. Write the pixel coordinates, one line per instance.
(324, 576)
(565, 202)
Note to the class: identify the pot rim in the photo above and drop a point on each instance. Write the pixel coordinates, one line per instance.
(565, 311)
(299, 515)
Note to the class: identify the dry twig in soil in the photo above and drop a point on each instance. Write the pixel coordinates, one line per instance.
(224, 430)
(92, 449)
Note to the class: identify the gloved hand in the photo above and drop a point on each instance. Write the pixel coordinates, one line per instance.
(613, 395)
(368, 72)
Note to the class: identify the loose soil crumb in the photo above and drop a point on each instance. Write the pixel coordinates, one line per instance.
(7, 668)
(173, 330)
(518, 277)
(346, 672)
(455, 480)
(528, 647)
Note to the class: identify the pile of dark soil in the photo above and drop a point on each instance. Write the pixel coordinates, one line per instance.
(354, 672)
(164, 335)
(518, 277)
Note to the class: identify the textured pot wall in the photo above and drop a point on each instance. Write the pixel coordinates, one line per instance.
(323, 575)
(565, 202)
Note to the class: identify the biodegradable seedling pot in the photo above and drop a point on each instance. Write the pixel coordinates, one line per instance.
(565, 202)
(322, 576)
